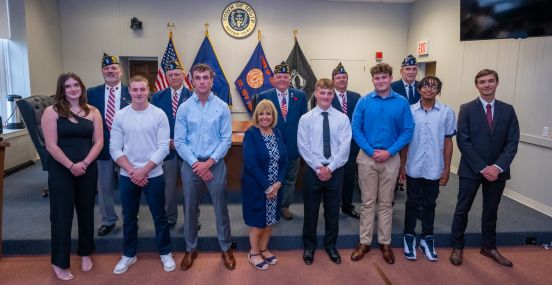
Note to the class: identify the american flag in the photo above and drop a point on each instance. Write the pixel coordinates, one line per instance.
(170, 54)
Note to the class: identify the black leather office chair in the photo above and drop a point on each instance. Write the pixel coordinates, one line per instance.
(31, 109)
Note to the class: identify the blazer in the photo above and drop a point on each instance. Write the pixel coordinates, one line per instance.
(297, 106)
(352, 100)
(480, 145)
(163, 100)
(398, 86)
(96, 98)
(254, 181)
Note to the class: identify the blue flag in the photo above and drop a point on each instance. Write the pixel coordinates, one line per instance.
(255, 77)
(206, 54)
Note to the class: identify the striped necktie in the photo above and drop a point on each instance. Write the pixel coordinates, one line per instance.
(343, 103)
(110, 112)
(174, 103)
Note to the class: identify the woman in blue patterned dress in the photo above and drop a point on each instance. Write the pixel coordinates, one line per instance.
(264, 171)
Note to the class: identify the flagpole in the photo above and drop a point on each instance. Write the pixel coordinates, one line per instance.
(295, 34)
(259, 34)
(170, 26)
(206, 29)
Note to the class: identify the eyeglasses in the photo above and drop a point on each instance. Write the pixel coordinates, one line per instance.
(430, 87)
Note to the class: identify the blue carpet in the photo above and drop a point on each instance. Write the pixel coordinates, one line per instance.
(26, 225)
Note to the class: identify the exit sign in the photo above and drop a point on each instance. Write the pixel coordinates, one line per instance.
(423, 48)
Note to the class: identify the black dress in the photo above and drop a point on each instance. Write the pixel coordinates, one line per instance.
(69, 193)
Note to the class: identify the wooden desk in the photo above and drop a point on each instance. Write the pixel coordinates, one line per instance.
(3, 145)
(234, 157)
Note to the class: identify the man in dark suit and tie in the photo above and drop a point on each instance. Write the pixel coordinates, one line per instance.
(407, 86)
(169, 100)
(292, 105)
(488, 137)
(345, 101)
(108, 98)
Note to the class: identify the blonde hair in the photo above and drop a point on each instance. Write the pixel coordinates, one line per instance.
(263, 106)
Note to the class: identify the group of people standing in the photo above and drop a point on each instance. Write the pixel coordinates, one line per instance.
(398, 131)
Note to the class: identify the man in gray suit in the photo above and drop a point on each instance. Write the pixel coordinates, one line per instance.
(202, 137)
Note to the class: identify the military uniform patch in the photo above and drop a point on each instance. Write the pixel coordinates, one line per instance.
(239, 19)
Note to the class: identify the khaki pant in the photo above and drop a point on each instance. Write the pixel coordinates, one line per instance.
(377, 185)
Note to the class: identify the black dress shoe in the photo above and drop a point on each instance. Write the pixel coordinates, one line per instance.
(308, 256)
(105, 230)
(334, 255)
(351, 213)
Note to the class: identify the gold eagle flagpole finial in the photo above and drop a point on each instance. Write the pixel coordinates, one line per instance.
(206, 29)
(170, 26)
(295, 32)
(259, 34)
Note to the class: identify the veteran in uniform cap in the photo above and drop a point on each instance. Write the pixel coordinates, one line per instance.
(291, 104)
(108, 97)
(345, 101)
(169, 100)
(407, 86)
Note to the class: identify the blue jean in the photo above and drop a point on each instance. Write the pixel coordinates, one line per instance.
(155, 197)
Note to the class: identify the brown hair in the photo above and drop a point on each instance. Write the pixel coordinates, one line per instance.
(263, 106)
(61, 105)
(324, 83)
(486, 72)
(381, 68)
(202, 67)
(138, 78)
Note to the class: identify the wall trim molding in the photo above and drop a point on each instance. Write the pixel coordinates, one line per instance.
(533, 204)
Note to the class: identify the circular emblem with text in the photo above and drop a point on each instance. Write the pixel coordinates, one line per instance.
(255, 78)
(239, 19)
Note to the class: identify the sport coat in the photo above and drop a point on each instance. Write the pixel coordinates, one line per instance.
(96, 98)
(297, 106)
(398, 86)
(480, 145)
(163, 100)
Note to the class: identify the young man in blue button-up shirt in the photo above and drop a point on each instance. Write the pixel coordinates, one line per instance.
(382, 126)
(425, 164)
(202, 137)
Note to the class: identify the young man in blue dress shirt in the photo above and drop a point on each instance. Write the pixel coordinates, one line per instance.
(425, 165)
(382, 126)
(202, 137)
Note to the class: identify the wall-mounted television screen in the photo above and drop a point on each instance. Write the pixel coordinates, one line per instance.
(504, 19)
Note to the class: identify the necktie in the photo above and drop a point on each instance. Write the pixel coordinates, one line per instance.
(344, 103)
(174, 103)
(326, 135)
(410, 94)
(110, 113)
(489, 116)
(284, 105)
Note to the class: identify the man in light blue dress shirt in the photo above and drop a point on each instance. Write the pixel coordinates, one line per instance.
(425, 164)
(203, 135)
(382, 126)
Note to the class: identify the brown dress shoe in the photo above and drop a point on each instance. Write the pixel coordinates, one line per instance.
(387, 253)
(497, 257)
(456, 257)
(228, 259)
(360, 251)
(286, 214)
(188, 260)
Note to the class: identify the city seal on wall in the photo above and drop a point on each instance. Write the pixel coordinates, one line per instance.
(239, 19)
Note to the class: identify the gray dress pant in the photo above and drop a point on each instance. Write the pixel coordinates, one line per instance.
(192, 187)
(171, 168)
(106, 192)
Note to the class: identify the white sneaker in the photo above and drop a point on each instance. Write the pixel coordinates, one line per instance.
(124, 264)
(168, 262)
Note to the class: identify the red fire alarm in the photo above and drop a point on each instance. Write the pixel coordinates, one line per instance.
(379, 55)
